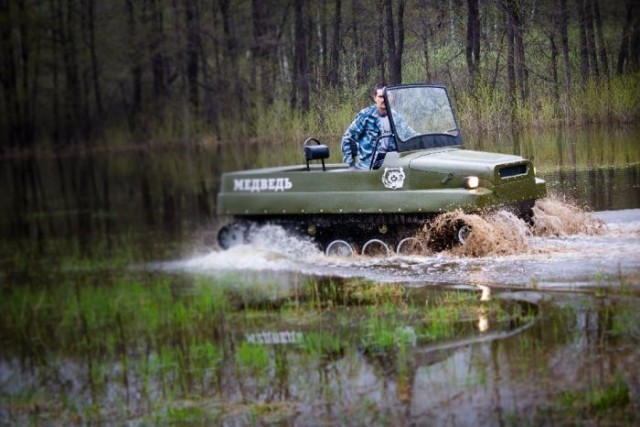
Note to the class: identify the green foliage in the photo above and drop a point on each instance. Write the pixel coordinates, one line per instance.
(608, 401)
(325, 343)
(483, 109)
(253, 358)
(380, 330)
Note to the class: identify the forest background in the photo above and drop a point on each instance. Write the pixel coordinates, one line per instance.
(122, 73)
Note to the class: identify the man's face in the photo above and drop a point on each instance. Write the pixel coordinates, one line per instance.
(379, 99)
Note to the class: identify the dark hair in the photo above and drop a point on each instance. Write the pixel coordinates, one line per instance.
(378, 86)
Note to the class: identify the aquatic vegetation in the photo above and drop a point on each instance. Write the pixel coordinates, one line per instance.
(325, 344)
(625, 324)
(168, 348)
(253, 358)
(609, 402)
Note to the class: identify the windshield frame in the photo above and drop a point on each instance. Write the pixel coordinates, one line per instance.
(416, 138)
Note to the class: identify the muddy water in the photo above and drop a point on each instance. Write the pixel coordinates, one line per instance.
(567, 248)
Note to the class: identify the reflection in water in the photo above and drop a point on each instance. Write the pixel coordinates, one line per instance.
(486, 293)
(336, 370)
(483, 318)
(93, 202)
(483, 321)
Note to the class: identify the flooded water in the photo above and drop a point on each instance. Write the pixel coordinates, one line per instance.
(586, 250)
(117, 309)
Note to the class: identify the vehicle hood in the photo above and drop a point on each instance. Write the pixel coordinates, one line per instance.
(461, 162)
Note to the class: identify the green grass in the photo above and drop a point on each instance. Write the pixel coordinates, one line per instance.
(607, 402)
(272, 134)
(605, 102)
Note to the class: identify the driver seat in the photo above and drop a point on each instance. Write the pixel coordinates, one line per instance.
(315, 152)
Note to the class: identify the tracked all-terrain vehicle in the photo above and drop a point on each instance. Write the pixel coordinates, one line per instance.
(348, 211)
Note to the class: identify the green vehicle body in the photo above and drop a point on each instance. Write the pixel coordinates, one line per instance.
(427, 176)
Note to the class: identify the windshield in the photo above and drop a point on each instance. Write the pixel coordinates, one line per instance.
(422, 117)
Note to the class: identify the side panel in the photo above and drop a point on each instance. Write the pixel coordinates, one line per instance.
(354, 202)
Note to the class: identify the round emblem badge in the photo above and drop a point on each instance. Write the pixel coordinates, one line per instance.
(393, 178)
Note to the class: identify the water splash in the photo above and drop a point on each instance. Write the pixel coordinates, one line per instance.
(499, 233)
(271, 248)
(277, 239)
(554, 217)
(498, 237)
(495, 233)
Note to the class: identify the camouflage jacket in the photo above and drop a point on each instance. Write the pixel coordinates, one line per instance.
(361, 135)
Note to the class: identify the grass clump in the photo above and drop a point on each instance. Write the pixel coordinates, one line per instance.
(253, 358)
(610, 402)
(326, 344)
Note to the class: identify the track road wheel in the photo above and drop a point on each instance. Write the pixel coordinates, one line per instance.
(463, 234)
(339, 248)
(375, 247)
(232, 235)
(410, 246)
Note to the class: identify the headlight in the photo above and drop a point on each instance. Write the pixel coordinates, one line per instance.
(471, 182)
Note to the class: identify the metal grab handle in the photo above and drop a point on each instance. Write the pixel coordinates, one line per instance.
(375, 149)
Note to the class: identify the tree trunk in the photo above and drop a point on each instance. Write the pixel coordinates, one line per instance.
(72, 80)
(324, 44)
(564, 39)
(584, 50)
(511, 69)
(135, 68)
(554, 66)
(265, 44)
(334, 69)
(473, 40)
(192, 22)
(625, 40)
(157, 48)
(521, 64)
(312, 51)
(400, 46)
(300, 90)
(9, 78)
(231, 84)
(591, 40)
(634, 55)
(209, 93)
(359, 55)
(394, 78)
(427, 60)
(379, 48)
(95, 69)
(604, 61)
(394, 50)
(55, 104)
(518, 74)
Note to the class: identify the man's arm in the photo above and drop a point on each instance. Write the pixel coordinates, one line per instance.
(350, 140)
(349, 148)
